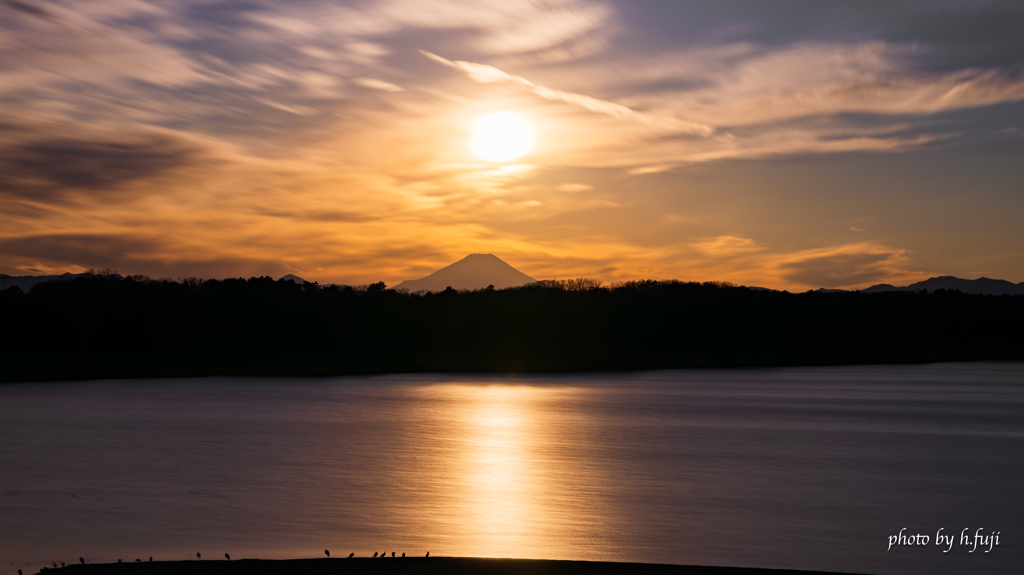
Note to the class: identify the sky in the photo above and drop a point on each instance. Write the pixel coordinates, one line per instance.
(786, 144)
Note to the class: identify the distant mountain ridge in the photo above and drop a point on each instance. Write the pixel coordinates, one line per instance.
(26, 282)
(984, 286)
(475, 271)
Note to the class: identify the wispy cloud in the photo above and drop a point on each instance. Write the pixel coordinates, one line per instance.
(754, 85)
(846, 266)
(489, 74)
(496, 26)
(375, 84)
(744, 261)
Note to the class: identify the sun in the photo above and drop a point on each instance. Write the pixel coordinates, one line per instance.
(502, 137)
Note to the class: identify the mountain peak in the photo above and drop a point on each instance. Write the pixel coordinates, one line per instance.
(475, 271)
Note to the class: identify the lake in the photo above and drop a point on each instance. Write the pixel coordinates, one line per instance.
(804, 468)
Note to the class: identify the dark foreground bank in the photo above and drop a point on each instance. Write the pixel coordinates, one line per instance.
(107, 327)
(445, 565)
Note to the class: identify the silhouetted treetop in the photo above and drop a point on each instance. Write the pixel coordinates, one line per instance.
(98, 324)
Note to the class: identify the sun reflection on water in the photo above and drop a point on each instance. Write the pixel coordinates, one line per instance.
(491, 486)
(500, 466)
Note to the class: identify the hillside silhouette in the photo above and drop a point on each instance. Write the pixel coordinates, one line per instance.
(25, 283)
(475, 271)
(96, 326)
(984, 286)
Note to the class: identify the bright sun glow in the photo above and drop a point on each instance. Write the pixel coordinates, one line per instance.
(502, 137)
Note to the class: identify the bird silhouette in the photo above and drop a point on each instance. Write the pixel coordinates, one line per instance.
(199, 555)
(54, 564)
(61, 563)
(19, 571)
(350, 555)
(118, 560)
(328, 552)
(81, 560)
(151, 558)
(383, 553)
(227, 556)
(374, 553)
(392, 554)
(137, 560)
(403, 555)
(428, 553)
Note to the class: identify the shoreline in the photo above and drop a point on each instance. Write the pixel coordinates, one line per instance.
(56, 374)
(445, 565)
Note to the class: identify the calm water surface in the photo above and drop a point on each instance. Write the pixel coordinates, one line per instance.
(807, 468)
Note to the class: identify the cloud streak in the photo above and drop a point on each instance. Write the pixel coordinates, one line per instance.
(846, 266)
(745, 84)
(489, 74)
(40, 169)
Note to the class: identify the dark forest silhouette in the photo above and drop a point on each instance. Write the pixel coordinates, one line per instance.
(108, 326)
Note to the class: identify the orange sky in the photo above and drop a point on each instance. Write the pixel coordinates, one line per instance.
(332, 140)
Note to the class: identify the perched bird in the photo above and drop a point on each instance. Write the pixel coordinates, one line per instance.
(61, 563)
(350, 555)
(428, 553)
(328, 552)
(54, 564)
(383, 553)
(19, 571)
(227, 556)
(392, 554)
(81, 560)
(151, 558)
(137, 560)
(375, 554)
(403, 555)
(118, 560)
(199, 555)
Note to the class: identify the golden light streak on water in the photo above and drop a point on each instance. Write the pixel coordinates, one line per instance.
(500, 471)
(497, 472)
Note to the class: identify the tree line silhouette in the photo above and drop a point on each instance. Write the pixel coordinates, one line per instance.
(108, 326)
